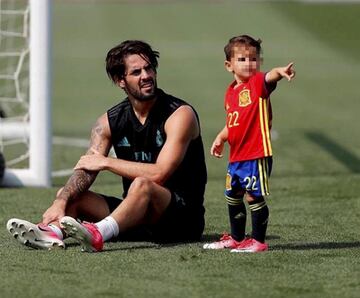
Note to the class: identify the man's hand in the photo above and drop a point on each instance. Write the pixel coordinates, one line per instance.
(91, 162)
(55, 212)
(86, 171)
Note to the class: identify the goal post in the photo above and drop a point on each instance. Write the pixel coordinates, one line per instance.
(37, 128)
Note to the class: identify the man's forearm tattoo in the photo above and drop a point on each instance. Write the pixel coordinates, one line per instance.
(79, 182)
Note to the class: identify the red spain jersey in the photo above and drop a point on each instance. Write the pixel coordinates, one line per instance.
(249, 117)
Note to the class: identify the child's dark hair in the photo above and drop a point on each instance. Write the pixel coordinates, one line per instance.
(242, 40)
(115, 59)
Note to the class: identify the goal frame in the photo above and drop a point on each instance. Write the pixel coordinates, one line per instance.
(38, 174)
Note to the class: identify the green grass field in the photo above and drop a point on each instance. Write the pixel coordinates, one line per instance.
(313, 234)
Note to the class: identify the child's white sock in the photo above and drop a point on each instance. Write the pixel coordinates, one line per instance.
(108, 227)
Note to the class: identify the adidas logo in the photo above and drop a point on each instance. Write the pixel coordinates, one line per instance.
(240, 215)
(123, 142)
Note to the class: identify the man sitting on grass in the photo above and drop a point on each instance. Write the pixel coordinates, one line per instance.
(160, 158)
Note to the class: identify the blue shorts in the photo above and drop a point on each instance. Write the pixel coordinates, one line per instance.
(250, 176)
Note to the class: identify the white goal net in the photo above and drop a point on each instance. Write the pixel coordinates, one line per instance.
(25, 76)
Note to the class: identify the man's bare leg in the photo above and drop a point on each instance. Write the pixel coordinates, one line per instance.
(145, 203)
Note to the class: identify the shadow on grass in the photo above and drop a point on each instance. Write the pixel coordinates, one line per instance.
(122, 246)
(320, 245)
(351, 161)
(293, 246)
(136, 245)
(216, 237)
(143, 244)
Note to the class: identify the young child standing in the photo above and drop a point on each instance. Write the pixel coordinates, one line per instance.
(247, 130)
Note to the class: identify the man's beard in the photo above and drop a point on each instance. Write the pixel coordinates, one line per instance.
(140, 96)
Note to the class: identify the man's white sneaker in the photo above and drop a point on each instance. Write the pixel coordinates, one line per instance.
(36, 236)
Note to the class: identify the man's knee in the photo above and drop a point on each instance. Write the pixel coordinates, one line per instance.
(141, 185)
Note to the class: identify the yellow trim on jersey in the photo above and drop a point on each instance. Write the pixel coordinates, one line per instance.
(267, 130)
(264, 125)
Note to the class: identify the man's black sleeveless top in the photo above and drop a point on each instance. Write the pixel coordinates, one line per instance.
(142, 143)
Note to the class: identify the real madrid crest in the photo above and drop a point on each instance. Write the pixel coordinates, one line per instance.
(244, 98)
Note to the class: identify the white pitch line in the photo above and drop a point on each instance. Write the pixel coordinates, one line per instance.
(62, 173)
(74, 142)
(67, 141)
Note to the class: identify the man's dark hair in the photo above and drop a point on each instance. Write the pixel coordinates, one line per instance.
(242, 40)
(115, 59)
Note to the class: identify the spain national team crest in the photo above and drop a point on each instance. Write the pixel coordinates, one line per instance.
(228, 182)
(244, 98)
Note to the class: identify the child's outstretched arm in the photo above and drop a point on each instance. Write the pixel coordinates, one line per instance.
(277, 73)
(218, 144)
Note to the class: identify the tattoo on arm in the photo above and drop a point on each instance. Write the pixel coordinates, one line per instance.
(81, 180)
(95, 139)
